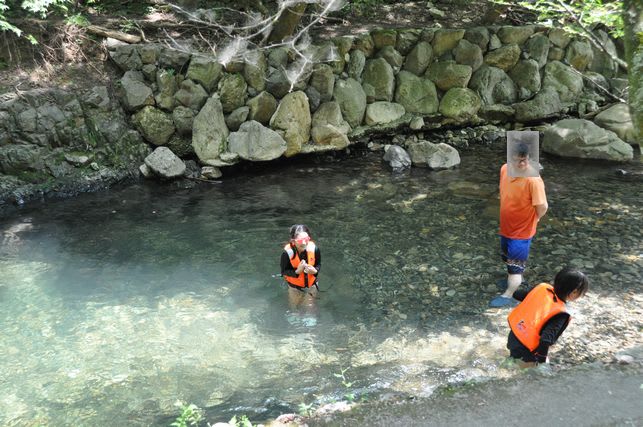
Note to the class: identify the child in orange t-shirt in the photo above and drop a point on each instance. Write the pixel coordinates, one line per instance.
(522, 203)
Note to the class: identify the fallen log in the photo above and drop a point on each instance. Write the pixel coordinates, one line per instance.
(118, 35)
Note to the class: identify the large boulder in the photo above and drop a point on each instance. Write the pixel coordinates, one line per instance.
(460, 102)
(149, 53)
(515, 35)
(579, 54)
(277, 83)
(364, 42)
(232, 92)
(434, 156)
(173, 59)
(323, 80)
(180, 145)
(183, 118)
(537, 48)
(392, 56)
(256, 142)
(383, 112)
(236, 118)
(204, 70)
(406, 40)
(584, 139)
(617, 119)
(155, 125)
(544, 105)
(378, 80)
(356, 64)
(126, 57)
(166, 88)
(191, 95)
(493, 85)
(564, 80)
(603, 62)
(526, 75)
(262, 107)
(497, 113)
(384, 37)
(164, 163)
(329, 127)
(416, 94)
(23, 157)
(445, 41)
(448, 74)
(504, 57)
(418, 59)
(329, 113)
(467, 53)
(210, 133)
(559, 37)
(351, 99)
(255, 68)
(478, 36)
(292, 121)
(134, 93)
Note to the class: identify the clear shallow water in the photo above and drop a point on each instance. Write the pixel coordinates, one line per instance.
(115, 305)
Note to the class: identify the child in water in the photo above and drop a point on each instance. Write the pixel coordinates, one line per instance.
(300, 265)
(541, 317)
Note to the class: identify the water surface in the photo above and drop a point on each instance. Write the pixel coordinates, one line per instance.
(115, 305)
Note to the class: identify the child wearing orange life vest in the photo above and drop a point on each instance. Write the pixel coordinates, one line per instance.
(541, 317)
(300, 265)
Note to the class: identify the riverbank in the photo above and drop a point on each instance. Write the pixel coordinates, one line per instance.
(593, 394)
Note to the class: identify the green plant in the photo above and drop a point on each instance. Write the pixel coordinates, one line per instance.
(350, 396)
(77, 20)
(306, 409)
(241, 422)
(191, 415)
(127, 25)
(576, 14)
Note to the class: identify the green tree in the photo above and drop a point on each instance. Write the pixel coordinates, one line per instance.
(28, 8)
(633, 19)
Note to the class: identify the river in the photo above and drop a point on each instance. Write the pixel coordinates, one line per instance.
(115, 305)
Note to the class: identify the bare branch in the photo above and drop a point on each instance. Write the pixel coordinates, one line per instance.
(602, 89)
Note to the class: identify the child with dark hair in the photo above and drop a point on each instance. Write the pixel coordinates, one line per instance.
(300, 265)
(541, 317)
(523, 203)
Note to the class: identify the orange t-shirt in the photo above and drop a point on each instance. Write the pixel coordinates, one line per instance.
(518, 196)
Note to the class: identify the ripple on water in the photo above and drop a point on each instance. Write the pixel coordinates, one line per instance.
(115, 305)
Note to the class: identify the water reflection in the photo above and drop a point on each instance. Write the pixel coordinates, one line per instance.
(113, 306)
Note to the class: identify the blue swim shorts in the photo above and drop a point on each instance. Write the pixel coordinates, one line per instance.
(515, 253)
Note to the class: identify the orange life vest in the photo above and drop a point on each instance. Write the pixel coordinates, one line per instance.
(303, 280)
(527, 320)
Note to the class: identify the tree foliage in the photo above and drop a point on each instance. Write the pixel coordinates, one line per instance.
(576, 14)
(28, 8)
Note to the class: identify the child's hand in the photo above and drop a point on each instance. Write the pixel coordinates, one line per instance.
(301, 267)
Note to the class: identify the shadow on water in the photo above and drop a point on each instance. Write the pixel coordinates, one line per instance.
(122, 302)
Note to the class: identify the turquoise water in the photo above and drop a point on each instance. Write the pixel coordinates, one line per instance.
(115, 305)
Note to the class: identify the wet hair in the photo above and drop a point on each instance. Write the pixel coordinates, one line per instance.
(297, 229)
(522, 150)
(569, 280)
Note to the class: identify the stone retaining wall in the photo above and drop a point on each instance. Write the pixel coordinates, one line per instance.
(268, 103)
